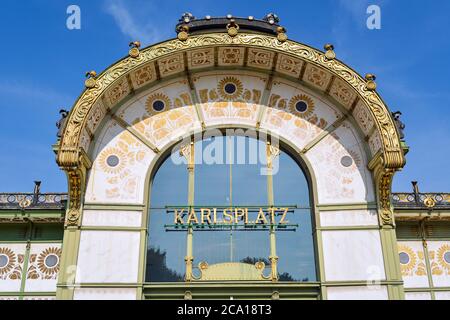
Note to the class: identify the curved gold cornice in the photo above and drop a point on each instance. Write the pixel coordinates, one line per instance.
(69, 152)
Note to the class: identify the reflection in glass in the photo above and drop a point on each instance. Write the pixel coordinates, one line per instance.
(228, 173)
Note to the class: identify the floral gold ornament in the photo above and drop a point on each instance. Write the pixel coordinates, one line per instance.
(183, 33)
(371, 84)
(232, 28)
(429, 202)
(91, 79)
(443, 257)
(329, 52)
(48, 261)
(281, 34)
(112, 160)
(301, 105)
(25, 203)
(157, 102)
(408, 266)
(7, 260)
(230, 88)
(134, 51)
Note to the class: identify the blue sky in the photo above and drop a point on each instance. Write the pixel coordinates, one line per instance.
(43, 66)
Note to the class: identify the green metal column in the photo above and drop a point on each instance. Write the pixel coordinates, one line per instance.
(188, 152)
(272, 153)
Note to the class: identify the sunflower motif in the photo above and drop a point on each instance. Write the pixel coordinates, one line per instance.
(7, 260)
(407, 266)
(48, 261)
(157, 102)
(349, 161)
(112, 160)
(301, 105)
(230, 88)
(443, 256)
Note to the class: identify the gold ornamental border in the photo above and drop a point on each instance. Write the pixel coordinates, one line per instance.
(69, 152)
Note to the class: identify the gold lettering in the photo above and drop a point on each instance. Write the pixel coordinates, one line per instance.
(239, 213)
(178, 217)
(205, 215)
(283, 217)
(261, 217)
(192, 217)
(272, 215)
(227, 216)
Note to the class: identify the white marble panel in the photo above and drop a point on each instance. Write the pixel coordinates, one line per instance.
(105, 294)
(417, 296)
(348, 218)
(108, 256)
(357, 293)
(112, 218)
(442, 295)
(353, 255)
(40, 298)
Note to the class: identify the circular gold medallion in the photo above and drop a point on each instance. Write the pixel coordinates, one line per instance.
(134, 52)
(371, 85)
(330, 55)
(232, 31)
(182, 36)
(282, 37)
(90, 83)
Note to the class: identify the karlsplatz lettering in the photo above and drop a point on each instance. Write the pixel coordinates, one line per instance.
(197, 311)
(214, 216)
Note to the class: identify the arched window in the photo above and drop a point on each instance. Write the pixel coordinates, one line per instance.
(230, 173)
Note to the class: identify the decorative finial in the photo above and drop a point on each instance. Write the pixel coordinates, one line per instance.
(187, 17)
(90, 81)
(371, 85)
(134, 51)
(281, 34)
(271, 18)
(233, 28)
(37, 188)
(183, 33)
(329, 52)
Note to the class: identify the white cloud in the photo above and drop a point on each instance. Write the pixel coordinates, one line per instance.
(128, 23)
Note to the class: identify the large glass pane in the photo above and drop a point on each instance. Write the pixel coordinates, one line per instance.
(230, 172)
(232, 180)
(166, 250)
(295, 249)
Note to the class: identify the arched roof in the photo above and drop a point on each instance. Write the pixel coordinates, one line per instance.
(208, 51)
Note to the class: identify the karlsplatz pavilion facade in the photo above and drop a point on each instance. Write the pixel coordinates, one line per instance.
(144, 219)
